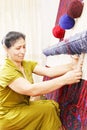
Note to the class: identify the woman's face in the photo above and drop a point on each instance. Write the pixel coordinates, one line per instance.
(17, 51)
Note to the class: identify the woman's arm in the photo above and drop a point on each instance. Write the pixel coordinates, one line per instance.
(60, 69)
(52, 71)
(23, 86)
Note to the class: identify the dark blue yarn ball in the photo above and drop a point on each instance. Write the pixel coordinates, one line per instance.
(66, 22)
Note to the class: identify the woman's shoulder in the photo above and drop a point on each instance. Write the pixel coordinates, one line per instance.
(7, 75)
(30, 63)
(8, 71)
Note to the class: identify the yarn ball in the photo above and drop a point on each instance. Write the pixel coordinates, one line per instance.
(74, 9)
(58, 32)
(66, 22)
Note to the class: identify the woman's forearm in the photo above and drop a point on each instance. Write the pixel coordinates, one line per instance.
(53, 71)
(23, 86)
(59, 70)
(51, 85)
(45, 87)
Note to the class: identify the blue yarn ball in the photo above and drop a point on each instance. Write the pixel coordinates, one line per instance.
(66, 22)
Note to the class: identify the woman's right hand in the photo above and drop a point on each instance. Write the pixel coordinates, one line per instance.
(73, 76)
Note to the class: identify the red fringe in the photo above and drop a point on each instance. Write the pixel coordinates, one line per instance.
(82, 105)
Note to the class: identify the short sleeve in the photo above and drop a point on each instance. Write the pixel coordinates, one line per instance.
(30, 65)
(33, 65)
(7, 76)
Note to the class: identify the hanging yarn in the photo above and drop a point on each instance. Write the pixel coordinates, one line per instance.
(82, 104)
(66, 22)
(58, 32)
(75, 8)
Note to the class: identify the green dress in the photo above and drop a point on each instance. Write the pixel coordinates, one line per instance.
(17, 112)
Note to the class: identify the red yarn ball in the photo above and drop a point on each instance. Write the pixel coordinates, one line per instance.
(58, 32)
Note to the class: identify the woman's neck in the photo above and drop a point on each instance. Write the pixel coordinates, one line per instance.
(18, 64)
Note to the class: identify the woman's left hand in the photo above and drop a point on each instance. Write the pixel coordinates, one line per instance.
(77, 61)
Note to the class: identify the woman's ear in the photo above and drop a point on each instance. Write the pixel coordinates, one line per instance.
(5, 49)
(4, 46)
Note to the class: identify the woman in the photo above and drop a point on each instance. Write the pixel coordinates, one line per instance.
(17, 112)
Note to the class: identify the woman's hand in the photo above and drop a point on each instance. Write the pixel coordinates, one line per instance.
(73, 76)
(77, 61)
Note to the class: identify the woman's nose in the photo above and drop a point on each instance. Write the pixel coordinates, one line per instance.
(22, 50)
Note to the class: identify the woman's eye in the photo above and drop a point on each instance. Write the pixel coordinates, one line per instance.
(17, 48)
(24, 47)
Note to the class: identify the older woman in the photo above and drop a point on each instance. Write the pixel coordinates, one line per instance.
(17, 112)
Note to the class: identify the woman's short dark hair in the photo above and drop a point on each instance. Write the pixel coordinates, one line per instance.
(11, 38)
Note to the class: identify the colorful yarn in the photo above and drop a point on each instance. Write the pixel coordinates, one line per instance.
(66, 22)
(75, 8)
(58, 32)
